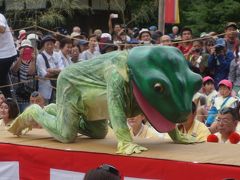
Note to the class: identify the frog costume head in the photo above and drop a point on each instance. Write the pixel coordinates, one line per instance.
(163, 85)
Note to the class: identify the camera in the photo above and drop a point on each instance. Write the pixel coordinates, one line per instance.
(198, 50)
(219, 49)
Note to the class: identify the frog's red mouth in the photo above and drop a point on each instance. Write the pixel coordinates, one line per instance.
(156, 119)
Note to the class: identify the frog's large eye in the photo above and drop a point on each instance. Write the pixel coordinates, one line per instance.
(158, 87)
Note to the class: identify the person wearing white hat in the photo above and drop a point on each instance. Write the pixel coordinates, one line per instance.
(8, 54)
(145, 36)
(22, 34)
(24, 69)
(34, 40)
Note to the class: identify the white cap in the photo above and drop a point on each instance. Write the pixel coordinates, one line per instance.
(32, 36)
(26, 43)
(21, 33)
(144, 30)
(106, 35)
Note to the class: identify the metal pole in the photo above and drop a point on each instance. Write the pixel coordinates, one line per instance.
(161, 16)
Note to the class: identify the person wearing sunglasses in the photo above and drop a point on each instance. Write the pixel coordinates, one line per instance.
(103, 172)
(226, 121)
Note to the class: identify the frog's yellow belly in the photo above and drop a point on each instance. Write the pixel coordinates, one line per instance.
(95, 105)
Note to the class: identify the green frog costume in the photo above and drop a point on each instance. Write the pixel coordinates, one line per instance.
(155, 81)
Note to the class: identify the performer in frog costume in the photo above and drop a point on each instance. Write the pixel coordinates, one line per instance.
(155, 81)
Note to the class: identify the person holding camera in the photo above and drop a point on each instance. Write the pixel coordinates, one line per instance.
(114, 30)
(219, 61)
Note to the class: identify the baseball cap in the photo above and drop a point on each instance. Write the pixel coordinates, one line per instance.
(106, 35)
(220, 42)
(22, 34)
(144, 30)
(83, 42)
(231, 24)
(207, 78)
(226, 82)
(32, 36)
(25, 43)
(152, 28)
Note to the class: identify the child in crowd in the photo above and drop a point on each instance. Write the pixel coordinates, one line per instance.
(193, 127)
(208, 93)
(139, 129)
(224, 100)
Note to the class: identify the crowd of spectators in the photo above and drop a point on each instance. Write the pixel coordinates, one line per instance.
(34, 60)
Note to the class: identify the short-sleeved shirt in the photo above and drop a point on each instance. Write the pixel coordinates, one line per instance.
(86, 55)
(145, 132)
(7, 47)
(65, 61)
(54, 60)
(198, 130)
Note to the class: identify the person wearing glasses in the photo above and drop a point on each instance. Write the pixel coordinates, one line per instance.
(103, 172)
(226, 121)
(8, 112)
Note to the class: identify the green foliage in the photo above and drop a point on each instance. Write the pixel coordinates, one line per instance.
(142, 12)
(200, 15)
(209, 15)
(55, 14)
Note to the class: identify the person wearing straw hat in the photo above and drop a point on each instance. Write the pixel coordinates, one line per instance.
(8, 54)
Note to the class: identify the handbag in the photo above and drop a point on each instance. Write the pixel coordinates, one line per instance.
(53, 82)
(212, 113)
(23, 91)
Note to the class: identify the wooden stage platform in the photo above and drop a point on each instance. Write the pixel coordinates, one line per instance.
(38, 156)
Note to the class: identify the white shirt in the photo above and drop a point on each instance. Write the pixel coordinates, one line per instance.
(65, 61)
(54, 60)
(89, 55)
(7, 47)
